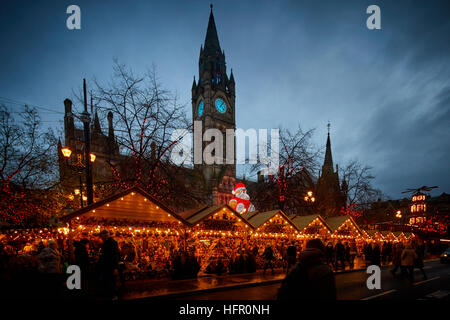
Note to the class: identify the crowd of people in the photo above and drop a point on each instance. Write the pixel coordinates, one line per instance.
(112, 257)
(312, 277)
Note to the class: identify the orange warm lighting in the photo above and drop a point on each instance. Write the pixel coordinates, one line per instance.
(76, 191)
(92, 156)
(66, 152)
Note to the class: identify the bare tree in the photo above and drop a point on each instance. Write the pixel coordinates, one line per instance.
(297, 162)
(360, 192)
(27, 164)
(145, 116)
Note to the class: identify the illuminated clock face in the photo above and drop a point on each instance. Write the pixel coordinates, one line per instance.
(200, 108)
(221, 106)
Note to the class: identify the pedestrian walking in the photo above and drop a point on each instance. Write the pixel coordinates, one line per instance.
(50, 267)
(311, 278)
(268, 258)
(108, 264)
(397, 258)
(407, 261)
(329, 254)
(353, 254)
(339, 250)
(418, 262)
(82, 260)
(291, 253)
(375, 258)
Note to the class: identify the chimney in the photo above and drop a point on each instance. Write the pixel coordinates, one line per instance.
(69, 127)
(110, 126)
(260, 176)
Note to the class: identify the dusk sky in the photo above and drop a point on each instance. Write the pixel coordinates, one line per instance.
(386, 92)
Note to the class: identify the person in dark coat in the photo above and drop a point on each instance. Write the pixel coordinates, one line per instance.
(268, 257)
(339, 250)
(384, 253)
(347, 253)
(311, 278)
(108, 263)
(82, 260)
(367, 253)
(291, 254)
(329, 253)
(255, 250)
(375, 258)
(397, 258)
(418, 262)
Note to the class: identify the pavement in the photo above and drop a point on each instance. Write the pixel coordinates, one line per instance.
(203, 284)
(352, 286)
(350, 283)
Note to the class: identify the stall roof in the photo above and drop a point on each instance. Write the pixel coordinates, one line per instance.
(371, 233)
(335, 222)
(133, 204)
(301, 222)
(386, 233)
(204, 213)
(259, 218)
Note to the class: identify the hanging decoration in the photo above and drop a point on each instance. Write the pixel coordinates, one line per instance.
(241, 200)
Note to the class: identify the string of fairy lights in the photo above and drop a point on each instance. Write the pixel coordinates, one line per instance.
(203, 228)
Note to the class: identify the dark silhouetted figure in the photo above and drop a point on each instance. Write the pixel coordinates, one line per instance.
(108, 263)
(311, 278)
(268, 257)
(291, 253)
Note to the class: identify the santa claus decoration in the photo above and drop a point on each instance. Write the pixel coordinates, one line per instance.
(241, 200)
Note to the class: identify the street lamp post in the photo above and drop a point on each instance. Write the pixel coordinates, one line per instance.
(85, 117)
(79, 169)
(309, 198)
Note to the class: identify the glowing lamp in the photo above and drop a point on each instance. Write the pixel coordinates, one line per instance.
(92, 157)
(76, 191)
(66, 152)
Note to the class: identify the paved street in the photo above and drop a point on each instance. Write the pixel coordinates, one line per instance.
(352, 286)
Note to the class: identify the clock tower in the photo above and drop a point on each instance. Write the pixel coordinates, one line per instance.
(213, 101)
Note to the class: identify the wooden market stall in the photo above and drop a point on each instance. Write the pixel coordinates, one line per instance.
(376, 235)
(147, 231)
(216, 233)
(271, 224)
(312, 226)
(388, 236)
(344, 227)
(272, 229)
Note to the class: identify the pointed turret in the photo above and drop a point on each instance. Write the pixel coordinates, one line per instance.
(328, 162)
(97, 128)
(231, 77)
(231, 84)
(212, 40)
(330, 194)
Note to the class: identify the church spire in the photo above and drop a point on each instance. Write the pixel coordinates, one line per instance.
(231, 76)
(212, 40)
(328, 163)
